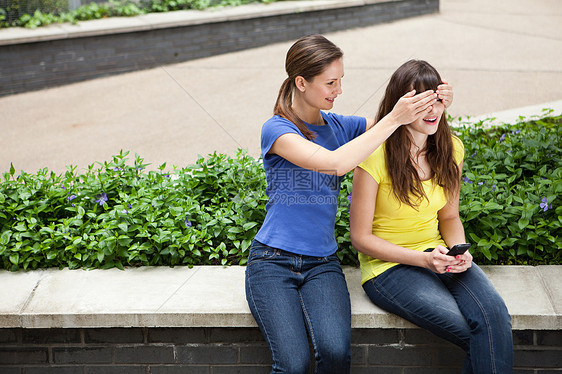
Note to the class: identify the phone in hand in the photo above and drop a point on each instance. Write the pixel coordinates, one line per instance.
(459, 249)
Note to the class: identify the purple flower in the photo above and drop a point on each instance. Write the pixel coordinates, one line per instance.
(502, 138)
(117, 169)
(71, 197)
(349, 198)
(187, 222)
(545, 205)
(101, 198)
(480, 183)
(493, 187)
(129, 206)
(516, 131)
(124, 211)
(62, 186)
(474, 154)
(466, 180)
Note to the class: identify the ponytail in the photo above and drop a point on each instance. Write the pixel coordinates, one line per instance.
(283, 108)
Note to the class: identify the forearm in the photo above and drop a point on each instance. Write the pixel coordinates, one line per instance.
(351, 154)
(381, 249)
(452, 231)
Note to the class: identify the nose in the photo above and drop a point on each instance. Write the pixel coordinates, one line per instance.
(338, 88)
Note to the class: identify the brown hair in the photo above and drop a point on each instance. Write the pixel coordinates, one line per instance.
(308, 57)
(406, 183)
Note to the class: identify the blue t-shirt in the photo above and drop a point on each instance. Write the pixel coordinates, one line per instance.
(302, 206)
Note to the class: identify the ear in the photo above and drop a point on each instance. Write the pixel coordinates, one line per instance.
(300, 83)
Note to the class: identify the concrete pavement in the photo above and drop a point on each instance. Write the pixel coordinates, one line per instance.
(499, 56)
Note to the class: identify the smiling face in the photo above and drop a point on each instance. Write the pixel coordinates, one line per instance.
(428, 124)
(320, 92)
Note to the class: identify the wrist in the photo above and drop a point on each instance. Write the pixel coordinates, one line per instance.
(392, 121)
(427, 262)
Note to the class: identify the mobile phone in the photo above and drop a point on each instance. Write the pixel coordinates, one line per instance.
(459, 249)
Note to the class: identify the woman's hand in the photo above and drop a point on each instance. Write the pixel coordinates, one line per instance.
(439, 262)
(445, 93)
(465, 261)
(409, 107)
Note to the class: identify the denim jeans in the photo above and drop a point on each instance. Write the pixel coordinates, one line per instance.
(294, 298)
(462, 308)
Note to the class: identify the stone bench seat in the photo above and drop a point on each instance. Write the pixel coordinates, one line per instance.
(181, 320)
(213, 296)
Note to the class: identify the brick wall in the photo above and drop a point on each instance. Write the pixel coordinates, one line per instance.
(242, 350)
(33, 66)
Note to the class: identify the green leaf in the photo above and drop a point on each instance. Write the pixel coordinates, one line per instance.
(522, 223)
(5, 238)
(15, 258)
(249, 225)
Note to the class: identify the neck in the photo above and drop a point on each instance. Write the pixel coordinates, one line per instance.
(307, 114)
(419, 141)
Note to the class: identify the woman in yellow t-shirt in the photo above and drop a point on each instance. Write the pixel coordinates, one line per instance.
(404, 215)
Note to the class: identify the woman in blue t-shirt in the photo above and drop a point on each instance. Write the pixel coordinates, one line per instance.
(295, 286)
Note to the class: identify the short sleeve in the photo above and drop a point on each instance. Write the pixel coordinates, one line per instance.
(375, 165)
(458, 150)
(272, 129)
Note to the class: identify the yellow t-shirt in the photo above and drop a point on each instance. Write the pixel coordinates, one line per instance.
(399, 223)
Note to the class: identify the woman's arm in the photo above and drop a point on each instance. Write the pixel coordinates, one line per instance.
(309, 155)
(452, 230)
(450, 225)
(363, 205)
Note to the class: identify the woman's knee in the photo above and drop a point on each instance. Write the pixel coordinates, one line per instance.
(294, 363)
(334, 358)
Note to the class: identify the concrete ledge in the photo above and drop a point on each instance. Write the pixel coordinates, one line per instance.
(153, 21)
(213, 296)
(513, 116)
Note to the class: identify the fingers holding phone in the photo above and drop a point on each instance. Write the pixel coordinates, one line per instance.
(458, 249)
(439, 262)
(461, 253)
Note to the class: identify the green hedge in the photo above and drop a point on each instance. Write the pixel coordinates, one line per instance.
(510, 202)
(118, 213)
(36, 13)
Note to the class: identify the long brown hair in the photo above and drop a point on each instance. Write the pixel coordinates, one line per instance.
(406, 183)
(308, 57)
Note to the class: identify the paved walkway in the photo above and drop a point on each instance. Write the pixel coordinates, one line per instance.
(500, 55)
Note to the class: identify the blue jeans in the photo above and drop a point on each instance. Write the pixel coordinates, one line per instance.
(462, 308)
(290, 295)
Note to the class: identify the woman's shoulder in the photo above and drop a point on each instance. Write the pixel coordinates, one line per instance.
(457, 142)
(458, 149)
(277, 120)
(375, 164)
(277, 124)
